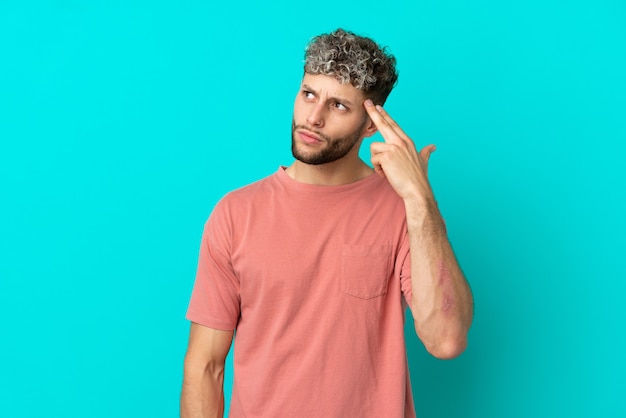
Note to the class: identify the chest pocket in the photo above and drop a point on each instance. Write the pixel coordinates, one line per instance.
(365, 270)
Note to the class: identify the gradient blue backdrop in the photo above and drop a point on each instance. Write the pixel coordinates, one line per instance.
(123, 122)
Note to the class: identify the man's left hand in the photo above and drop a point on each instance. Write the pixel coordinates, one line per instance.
(397, 159)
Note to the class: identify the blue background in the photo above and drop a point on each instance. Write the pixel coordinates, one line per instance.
(122, 124)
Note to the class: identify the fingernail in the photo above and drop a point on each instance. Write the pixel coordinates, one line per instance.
(379, 108)
(368, 102)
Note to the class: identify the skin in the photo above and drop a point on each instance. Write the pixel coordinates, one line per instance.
(328, 109)
(329, 115)
(441, 304)
(444, 281)
(203, 380)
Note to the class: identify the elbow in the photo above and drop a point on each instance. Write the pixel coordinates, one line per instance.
(444, 338)
(444, 342)
(200, 368)
(448, 349)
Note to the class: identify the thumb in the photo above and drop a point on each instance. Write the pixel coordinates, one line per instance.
(426, 151)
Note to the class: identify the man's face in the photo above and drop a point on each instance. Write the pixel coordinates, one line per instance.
(329, 120)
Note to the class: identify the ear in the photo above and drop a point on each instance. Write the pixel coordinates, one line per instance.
(370, 128)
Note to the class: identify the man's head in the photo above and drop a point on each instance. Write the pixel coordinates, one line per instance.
(341, 70)
(353, 59)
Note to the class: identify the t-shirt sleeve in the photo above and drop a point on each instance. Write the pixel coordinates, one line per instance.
(403, 267)
(215, 301)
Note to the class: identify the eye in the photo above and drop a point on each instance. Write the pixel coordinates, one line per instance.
(340, 106)
(307, 94)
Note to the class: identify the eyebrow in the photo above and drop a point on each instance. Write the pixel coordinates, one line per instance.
(336, 99)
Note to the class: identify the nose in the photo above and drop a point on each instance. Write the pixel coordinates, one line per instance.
(316, 115)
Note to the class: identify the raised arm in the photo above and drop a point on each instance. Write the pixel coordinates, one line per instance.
(441, 304)
(203, 382)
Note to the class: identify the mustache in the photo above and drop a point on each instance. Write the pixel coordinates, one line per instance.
(318, 133)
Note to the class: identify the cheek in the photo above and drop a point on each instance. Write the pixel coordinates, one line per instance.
(297, 111)
(348, 126)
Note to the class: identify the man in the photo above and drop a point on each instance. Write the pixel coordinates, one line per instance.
(314, 266)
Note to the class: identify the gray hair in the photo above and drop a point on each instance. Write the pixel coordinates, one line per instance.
(353, 59)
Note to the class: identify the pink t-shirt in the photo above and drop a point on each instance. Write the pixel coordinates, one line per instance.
(314, 279)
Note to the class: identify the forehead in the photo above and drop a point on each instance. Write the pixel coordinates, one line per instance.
(326, 85)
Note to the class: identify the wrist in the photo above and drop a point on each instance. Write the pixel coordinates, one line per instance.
(421, 211)
(420, 203)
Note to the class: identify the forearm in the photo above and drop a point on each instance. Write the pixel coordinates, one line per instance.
(202, 394)
(441, 298)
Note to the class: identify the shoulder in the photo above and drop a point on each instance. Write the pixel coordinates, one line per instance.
(245, 196)
(251, 191)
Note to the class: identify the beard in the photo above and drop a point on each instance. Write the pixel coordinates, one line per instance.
(335, 149)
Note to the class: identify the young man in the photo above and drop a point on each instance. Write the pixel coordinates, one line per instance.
(314, 266)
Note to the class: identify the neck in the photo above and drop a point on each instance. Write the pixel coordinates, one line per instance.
(330, 174)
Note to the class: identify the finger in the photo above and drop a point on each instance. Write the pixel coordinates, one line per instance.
(387, 131)
(377, 147)
(426, 152)
(379, 170)
(382, 119)
(376, 162)
(394, 125)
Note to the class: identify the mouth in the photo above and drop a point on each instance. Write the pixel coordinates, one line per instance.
(309, 137)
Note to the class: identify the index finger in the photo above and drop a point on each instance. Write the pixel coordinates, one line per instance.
(385, 123)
